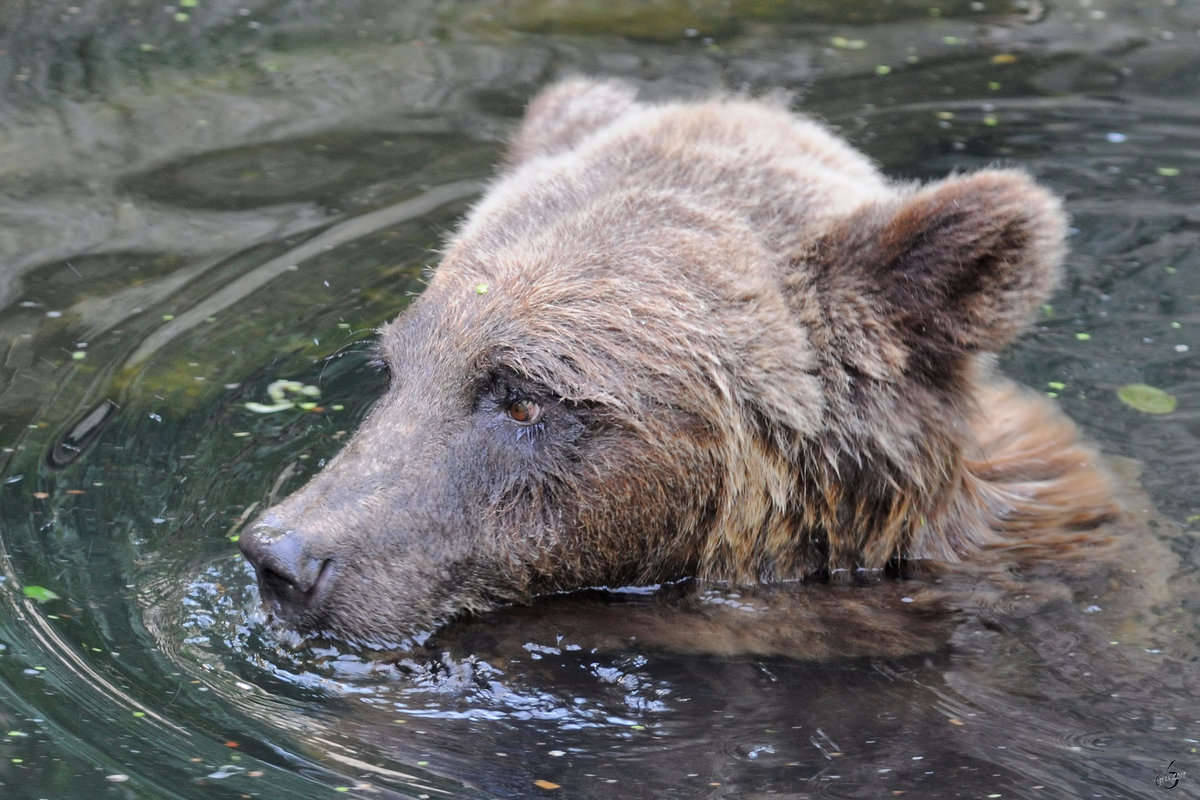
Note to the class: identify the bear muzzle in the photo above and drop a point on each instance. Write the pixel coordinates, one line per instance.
(293, 583)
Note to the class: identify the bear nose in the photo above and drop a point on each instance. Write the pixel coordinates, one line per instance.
(290, 578)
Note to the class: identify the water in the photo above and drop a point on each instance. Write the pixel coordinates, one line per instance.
(194, 207)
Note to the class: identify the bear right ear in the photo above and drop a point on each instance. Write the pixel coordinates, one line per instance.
(955, 268)
(562, 115)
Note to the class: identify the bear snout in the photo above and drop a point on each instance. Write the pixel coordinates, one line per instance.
(291, 579)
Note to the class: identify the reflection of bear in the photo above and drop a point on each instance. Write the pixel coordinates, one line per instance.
(704, 340)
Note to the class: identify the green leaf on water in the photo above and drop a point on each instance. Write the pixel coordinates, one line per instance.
(262, 408)
(40, 594)
(278, 392)
(842, 43)
(1146, 398)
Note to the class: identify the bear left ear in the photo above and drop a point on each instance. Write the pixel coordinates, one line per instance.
(973, 257)
(956, 267)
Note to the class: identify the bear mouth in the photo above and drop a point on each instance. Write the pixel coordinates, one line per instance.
(293, 603)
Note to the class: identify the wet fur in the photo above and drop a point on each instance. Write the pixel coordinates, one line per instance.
(761, 362)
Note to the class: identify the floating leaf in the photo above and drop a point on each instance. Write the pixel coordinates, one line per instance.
(278, 392)
(842, 43)
(40, 594)
(1149, 399)
(260, 408)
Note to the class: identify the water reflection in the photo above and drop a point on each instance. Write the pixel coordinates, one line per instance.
(159, 187)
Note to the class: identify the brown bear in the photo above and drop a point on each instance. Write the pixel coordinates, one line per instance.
(694, 340)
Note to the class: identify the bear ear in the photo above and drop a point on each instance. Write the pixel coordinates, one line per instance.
(956, 267)
(564, 114)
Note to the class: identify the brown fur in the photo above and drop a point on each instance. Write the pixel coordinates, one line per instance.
(759, 360)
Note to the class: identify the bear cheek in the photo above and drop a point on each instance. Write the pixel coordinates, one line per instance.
(632, 513)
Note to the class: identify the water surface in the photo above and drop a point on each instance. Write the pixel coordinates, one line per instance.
(198, 201)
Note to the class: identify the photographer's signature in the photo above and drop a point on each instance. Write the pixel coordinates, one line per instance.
(1170, 777)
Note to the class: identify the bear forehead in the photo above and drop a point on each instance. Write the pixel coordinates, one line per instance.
(786, 177)
(651, 233)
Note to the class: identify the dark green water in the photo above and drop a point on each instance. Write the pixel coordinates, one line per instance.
(196, 201)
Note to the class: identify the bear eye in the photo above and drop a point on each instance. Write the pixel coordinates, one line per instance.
(524, 411)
